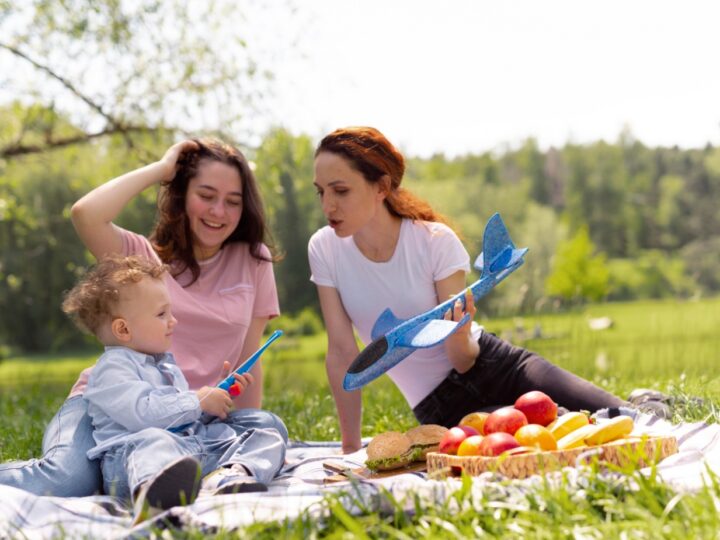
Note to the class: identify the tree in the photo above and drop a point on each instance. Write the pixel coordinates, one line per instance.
(577, 274)
(121, 67)
(285, 165)
(41, 253)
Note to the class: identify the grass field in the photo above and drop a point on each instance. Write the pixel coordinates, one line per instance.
(670, 346)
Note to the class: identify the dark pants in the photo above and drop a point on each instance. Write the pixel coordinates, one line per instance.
(501, 374)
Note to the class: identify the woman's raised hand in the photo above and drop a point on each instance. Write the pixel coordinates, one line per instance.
(172, 154)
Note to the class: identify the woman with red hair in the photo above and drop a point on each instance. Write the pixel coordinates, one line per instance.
(386, 248)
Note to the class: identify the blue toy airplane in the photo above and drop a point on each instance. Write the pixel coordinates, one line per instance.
(394, 339)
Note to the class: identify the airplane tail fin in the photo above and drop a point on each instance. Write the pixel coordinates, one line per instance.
(498, 249)
(384, 323)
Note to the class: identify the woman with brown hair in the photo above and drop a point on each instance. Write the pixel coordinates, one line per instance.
(210, 232)
(385, 248)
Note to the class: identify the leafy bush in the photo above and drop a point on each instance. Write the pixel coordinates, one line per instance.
(305, 323)
(653, 274)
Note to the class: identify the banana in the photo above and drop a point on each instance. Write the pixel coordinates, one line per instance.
(567, 423)
(618, 427)
(577, 438)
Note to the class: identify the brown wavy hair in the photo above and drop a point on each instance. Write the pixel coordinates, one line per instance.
(92, 301)
(172, 238)
(369, 152)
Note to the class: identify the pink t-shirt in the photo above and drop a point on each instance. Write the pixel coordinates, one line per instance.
(214, 313)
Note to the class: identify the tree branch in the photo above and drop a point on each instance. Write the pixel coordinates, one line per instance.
(15, 150)
(67, 84)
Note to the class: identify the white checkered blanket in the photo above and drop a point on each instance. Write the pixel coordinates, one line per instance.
(300, 491)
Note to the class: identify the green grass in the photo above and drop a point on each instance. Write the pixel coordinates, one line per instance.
(670, 346)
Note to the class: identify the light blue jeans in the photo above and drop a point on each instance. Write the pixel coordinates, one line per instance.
(261, 451)
(65, 471)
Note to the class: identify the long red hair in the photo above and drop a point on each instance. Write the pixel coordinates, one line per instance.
(370, 153)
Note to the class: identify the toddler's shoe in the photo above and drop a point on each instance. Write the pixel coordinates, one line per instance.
(175, 485)
(231, 479)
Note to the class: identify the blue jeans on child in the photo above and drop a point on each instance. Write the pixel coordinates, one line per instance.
(65, 471)
(260, 451)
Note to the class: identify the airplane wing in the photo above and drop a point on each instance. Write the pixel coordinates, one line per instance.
(430, 333)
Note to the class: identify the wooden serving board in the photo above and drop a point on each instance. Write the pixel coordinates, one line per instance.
(638, 453)
(343, 474)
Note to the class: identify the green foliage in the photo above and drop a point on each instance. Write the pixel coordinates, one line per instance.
(306, 323)
(702, 263)
(285, 173)
(653, 274)
(577, 274)
(161, 69)
(41, 254)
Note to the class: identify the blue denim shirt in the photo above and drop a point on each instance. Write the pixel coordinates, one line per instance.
(129, 391)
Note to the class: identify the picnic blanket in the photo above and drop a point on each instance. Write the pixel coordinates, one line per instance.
(300, 490)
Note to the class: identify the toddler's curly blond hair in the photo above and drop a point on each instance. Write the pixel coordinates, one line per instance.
(92, 301)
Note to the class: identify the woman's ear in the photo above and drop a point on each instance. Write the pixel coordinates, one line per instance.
(120, 329)
(384, 185)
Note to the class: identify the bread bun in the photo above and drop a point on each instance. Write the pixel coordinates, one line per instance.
(426, 438)
(389, 450)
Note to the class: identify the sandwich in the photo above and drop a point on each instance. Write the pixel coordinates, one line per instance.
(425, 438)
(393, 450)
(390, 450)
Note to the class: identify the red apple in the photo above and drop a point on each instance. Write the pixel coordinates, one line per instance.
(470, 430)
(506, 420)
(497, 443)
(451, 440)
(538, 407)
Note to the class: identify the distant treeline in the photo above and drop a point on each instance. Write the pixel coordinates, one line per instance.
(602, 221)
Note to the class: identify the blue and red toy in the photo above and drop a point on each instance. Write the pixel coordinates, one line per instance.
(229, 383)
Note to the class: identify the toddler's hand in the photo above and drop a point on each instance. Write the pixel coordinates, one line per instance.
(215, 401)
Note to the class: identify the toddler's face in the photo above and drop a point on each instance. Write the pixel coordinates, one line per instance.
(145, 306)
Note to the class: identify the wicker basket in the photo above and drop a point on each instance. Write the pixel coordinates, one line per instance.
(639, 453)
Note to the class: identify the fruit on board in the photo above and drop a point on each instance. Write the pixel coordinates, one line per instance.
(538, 407)
(536, 436)
(496, 443)
(470, 446)
(475, 420)
(506, 420)
(451, 440)
(576, 439)
(615, 428)
(567, 423)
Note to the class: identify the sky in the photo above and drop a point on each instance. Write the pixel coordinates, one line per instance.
(461, 76)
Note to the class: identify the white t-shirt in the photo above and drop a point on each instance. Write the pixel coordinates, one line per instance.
(426, 252)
